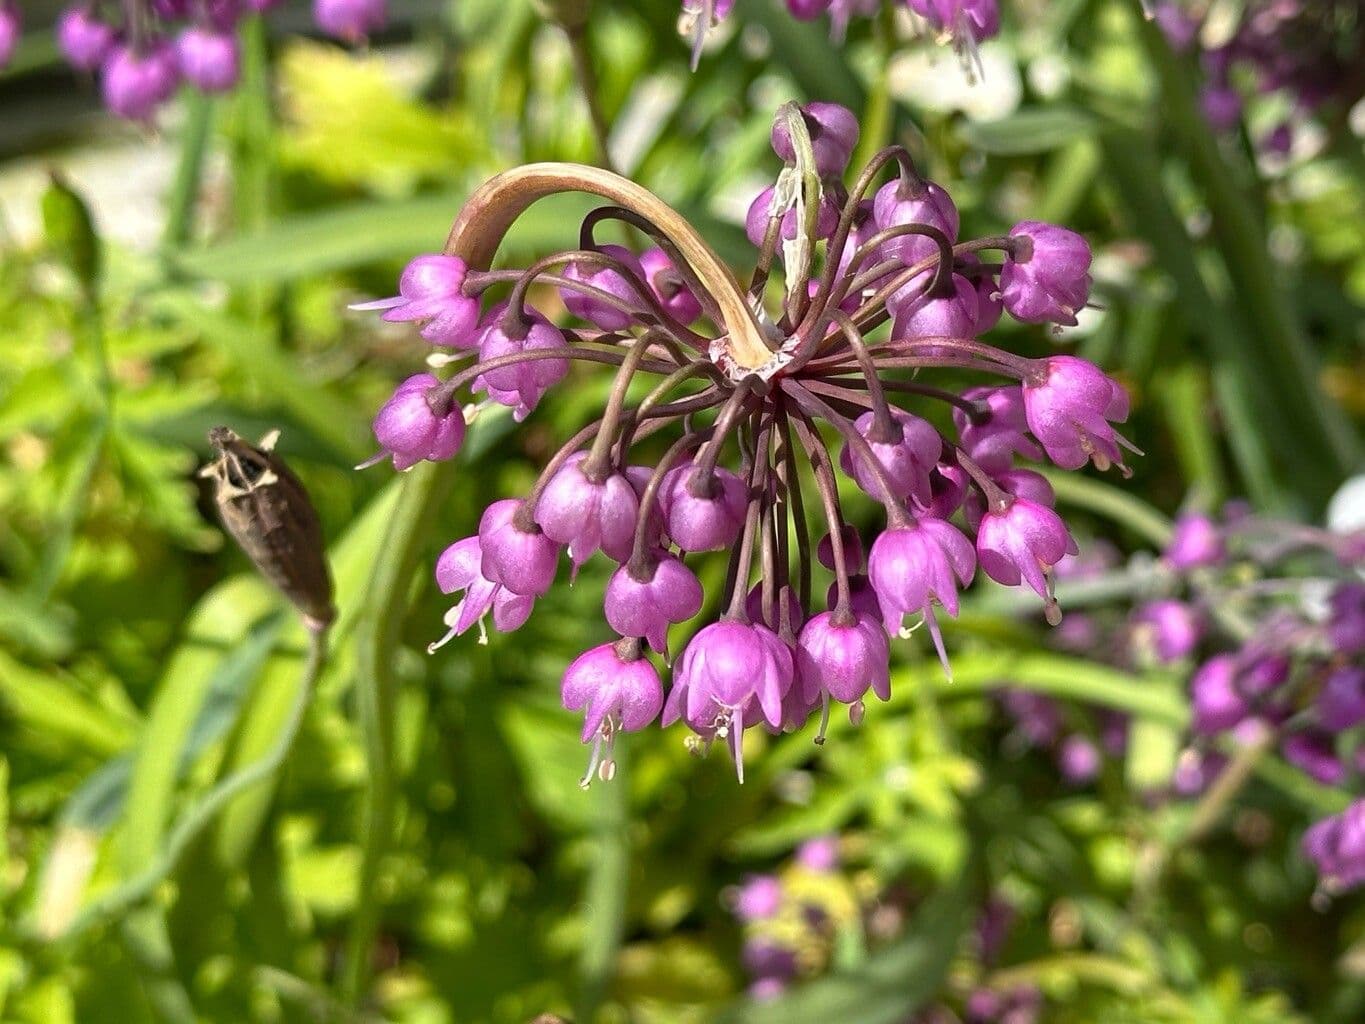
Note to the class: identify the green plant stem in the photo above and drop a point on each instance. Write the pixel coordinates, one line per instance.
(1237, 228)
(586, 76)
(377, 642)
(180, 204)
(138, 888)
(1245, 399)
(1112, 503)
(605, 891)
(1230, 782)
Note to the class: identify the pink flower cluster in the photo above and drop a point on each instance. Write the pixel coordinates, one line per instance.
(1301, 53)
(963, 23)
(873, 294)
(143, 50)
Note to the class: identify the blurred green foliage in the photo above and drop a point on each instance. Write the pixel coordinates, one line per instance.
(140, 660)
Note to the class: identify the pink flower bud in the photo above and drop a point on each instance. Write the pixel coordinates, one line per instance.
(408, 428)
(1047, 276)
(517, 555)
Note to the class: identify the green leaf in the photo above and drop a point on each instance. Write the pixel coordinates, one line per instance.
(1030, 130)
(71, 233)
(1055, 675)
(49, 704)
(363, 233)
(98, 802)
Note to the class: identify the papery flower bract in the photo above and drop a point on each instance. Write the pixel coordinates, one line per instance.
(84, 39)
(668, 286)
(410, 430)
(1069, 409)
(516, 554)
(350, 20)
(1023, 541)
(668, 593)
(619, 690)
(906, 460)
(1046, 278)
(136, 82)
(587, 512)
(843, 660)
(702, 512)
(732, 674)
(914, 565)
(460, 567)
(833, 130)
(760, 212)
(596, 310)
(520, 385)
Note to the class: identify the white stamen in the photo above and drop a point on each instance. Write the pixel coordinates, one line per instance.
(594, 760)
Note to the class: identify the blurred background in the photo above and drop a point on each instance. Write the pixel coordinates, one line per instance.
(1043, 839)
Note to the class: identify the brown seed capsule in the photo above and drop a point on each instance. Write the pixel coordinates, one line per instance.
(269, 514)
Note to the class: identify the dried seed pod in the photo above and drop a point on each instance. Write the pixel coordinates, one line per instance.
(269, 514)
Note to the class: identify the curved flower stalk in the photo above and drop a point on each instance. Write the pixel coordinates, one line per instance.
(747, 400)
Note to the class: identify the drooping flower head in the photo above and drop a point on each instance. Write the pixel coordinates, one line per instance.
(729, 448)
